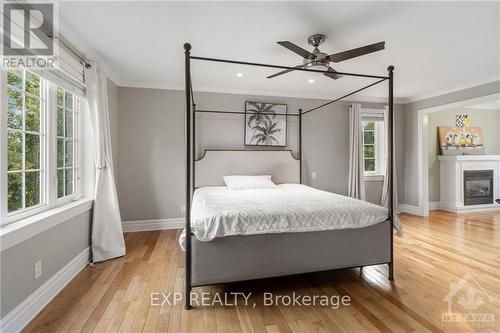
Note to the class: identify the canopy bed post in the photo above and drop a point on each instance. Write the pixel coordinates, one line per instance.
(187, 77)
(300, 144)
(193, 159)
(390, 69)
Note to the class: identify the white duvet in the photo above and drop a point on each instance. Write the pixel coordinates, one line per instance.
(219, 212)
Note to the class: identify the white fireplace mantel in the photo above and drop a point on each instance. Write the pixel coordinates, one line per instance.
(452, 180)
(470, 158)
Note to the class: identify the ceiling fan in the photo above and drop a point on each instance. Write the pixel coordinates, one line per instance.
(319, 60)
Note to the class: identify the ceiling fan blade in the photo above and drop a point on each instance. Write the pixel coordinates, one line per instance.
(284, 72)
(332, 73)
(353, 53)
(297, 49)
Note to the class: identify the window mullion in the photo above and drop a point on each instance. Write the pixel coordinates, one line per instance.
(52, 146)
(76, 150)
(23, 152)
(64, 144)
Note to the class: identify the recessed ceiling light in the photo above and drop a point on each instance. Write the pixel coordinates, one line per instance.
(239, 74)
(311, 81)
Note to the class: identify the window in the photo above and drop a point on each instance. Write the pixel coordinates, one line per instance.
(66, 143)
(373, 147)
(25, 169)
(369, 146)
(41, 126)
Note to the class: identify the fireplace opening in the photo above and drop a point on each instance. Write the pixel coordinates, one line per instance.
(478, 187)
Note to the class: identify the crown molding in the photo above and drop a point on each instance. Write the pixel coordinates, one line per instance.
(366, 99)
(441, 92)
(163, 86)
(86, 50)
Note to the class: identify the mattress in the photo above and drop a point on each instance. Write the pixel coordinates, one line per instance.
(219, 212)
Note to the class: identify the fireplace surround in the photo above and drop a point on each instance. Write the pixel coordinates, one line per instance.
(469, 183)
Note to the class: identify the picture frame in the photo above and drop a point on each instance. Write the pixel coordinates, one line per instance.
(460, 140)
(265, 124)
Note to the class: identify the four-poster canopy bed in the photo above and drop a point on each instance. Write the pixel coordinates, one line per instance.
(240, 256)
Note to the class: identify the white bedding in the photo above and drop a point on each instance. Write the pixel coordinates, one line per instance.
(219, 212)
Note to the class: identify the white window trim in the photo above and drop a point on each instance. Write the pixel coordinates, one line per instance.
(48, 149)
(377, 116)
(3, 147)
(15, 233)
(44, 188)
(76, 152)
(373, 178)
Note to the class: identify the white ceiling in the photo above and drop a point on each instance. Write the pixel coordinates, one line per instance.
(435, 46)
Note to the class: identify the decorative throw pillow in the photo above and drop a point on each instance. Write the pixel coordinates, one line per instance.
(248, 182)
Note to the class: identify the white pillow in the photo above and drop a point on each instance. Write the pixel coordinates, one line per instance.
(248, 182)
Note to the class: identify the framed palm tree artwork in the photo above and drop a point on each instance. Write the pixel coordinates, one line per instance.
(265, 124)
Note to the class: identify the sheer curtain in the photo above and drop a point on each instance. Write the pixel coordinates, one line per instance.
(385, 192)
(356, 185)
(107, 233)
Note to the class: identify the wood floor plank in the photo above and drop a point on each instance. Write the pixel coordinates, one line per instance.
(432, 254)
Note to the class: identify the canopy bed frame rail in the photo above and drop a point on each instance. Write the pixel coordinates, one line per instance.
(375, 252)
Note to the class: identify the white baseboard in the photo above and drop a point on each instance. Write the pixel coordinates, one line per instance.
(23, 313)
(409, 209)
(149, 225)
(434, 205)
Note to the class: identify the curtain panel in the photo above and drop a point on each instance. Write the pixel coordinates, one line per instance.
(107, 234)
(356, 184)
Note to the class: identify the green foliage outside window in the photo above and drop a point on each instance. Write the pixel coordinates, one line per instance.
(369, 146)
(23, 140)
(65, 143)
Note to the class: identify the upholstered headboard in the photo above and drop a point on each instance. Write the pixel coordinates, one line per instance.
(214, 164)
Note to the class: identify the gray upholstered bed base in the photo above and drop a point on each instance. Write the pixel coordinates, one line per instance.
(239, 258)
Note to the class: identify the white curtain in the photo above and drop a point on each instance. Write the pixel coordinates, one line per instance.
(385, 192)
(356, 169)
(107, 233)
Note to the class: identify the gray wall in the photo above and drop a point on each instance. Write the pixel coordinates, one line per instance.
(55, 247)
(488, 120)
(410, 151)
(326, 149)
(150, 175)
(151, 178)
(373, 191)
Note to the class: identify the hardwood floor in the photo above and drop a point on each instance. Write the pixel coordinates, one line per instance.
(433, 253)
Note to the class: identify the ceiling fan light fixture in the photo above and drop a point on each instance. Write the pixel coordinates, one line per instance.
(318, 60)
